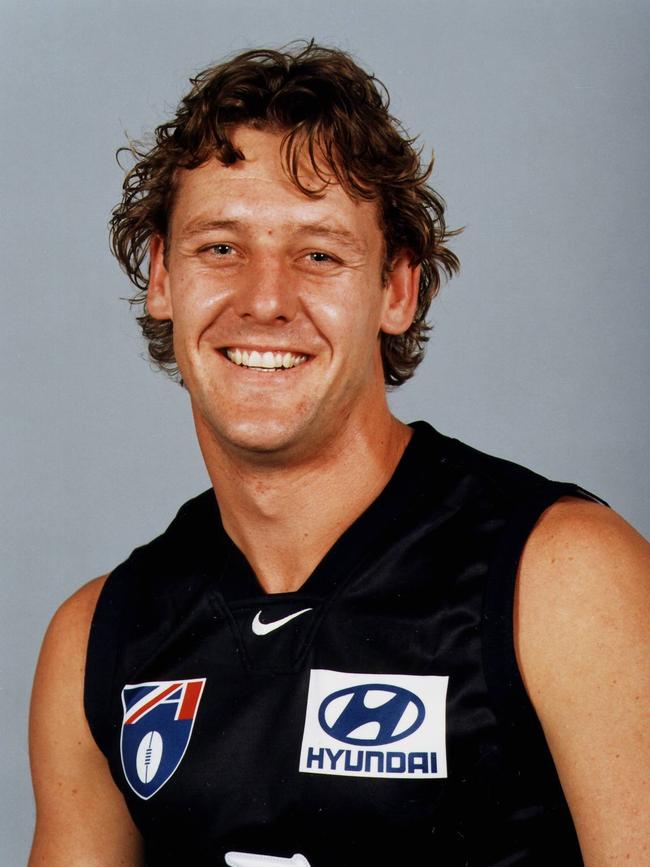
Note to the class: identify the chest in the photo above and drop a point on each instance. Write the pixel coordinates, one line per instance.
(355, 711)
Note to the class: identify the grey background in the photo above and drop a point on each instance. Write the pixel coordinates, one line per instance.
(538, 114)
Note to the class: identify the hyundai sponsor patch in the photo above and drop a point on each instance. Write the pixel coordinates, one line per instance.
(375, 725)
(156, 729)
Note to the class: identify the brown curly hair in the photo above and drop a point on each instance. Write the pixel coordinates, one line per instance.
(333, 112)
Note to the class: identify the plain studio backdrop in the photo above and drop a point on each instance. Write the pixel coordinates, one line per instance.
(538, 113)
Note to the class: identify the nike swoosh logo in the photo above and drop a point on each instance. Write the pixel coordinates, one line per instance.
(260, 628)
(248, 859)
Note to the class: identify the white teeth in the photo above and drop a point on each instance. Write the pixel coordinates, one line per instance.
(265, 360)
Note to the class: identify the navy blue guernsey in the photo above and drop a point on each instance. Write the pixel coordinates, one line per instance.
(376, 716)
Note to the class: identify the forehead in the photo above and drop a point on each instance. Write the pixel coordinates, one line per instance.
(258, 190)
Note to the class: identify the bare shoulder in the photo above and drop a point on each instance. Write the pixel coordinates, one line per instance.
(581, 631)
(584, 572)
(62, 660)
(586, 533)
(70, 775)
(70, 624)
(63, 653)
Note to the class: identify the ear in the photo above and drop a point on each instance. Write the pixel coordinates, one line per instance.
(159, 305)
(401, 295)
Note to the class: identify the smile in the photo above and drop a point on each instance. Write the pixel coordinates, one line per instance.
(264, 360)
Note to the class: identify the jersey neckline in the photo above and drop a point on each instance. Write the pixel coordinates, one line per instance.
(237, 582)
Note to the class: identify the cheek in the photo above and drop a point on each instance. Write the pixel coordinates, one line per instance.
(351, 311)
(196, 304)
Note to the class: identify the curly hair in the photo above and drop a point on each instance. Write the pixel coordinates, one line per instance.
(331, 111)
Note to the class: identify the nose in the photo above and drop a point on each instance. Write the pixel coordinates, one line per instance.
(266, 294)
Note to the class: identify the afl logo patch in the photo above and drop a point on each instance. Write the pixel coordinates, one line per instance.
(375, 725)
(156, 729)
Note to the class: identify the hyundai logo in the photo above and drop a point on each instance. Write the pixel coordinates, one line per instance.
(371, 714)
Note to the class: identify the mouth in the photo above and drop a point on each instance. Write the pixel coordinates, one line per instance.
(265, 360)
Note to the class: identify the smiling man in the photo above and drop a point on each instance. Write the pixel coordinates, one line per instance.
(366, 643)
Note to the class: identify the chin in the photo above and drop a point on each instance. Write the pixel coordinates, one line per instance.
(263, 438)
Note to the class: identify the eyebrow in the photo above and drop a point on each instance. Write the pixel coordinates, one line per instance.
(199, 226)
(337, 233)
(319, 229)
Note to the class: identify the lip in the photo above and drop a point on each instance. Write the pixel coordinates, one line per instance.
(267, 374)
(263, 347)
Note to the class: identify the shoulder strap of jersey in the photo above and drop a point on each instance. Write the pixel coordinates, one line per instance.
(150, 574)
(102, 653)
(508, 693)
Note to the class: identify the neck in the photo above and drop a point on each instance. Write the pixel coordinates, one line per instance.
(285, 516)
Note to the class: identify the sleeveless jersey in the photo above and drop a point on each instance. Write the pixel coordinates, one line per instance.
(374, 717)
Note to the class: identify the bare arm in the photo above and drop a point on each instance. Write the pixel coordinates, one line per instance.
(581, 625)
(81, 817)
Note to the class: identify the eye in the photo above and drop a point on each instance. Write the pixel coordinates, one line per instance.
(318, 256)
(221, 249)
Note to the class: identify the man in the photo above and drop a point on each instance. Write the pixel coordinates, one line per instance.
(367, 644)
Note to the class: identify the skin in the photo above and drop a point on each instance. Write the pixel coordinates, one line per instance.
(581, 636)
(251, 262)
(254, 263)
(81, 817)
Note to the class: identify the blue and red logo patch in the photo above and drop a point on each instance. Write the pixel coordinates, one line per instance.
(156, 729)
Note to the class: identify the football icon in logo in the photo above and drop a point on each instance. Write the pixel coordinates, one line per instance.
(147, 760)
(156, 729)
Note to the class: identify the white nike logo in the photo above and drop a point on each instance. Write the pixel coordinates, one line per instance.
(249, 859)
(260, 628)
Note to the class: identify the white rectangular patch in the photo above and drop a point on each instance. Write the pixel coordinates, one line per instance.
(375, 725)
